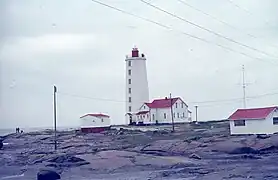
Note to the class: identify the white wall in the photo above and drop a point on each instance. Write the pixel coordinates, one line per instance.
(139, 83)
(145, 118)
(92, 121)
(180, 109)
(144, 107)
(159, 114)
(260, 126)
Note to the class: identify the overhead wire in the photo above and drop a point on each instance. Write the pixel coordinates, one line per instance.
(250, 14)
(205, 29)
(193, 102)
(182, 32)
(245, 10)
(213, 17)
(221, 21)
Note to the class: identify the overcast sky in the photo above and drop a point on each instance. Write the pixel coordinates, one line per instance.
(80, 46)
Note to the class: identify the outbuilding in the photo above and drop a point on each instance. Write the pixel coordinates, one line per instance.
(254, 121)
(95, 123)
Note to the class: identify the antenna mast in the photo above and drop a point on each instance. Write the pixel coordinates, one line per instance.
(243, 87)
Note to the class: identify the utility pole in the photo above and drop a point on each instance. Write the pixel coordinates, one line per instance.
(243, 87)
(55, 117)
(173, 124)
(196, 107)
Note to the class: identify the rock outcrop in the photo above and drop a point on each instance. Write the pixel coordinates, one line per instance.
(1, 144)
(48, 175)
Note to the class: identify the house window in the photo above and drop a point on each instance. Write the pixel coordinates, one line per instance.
(101, 120)
(129, 81)
(129, 108)
(129, 99)
(176, 105)
(183, 114)
(147, 116)
(181, 105)
(164, 115)
(239, 122)
(144, 116)
(275, 120)
(129, 63)
(178, 115)
(129, 90)
(153, 117)
(173, 114)
(129, 72)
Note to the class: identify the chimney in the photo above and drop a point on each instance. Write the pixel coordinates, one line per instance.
(166, 98)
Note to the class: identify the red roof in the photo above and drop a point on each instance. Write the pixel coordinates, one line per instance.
(142, 112)
(162, 103)
(256, 113)
(96, 115)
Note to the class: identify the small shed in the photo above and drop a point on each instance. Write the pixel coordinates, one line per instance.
(254, 121)
(95, 123)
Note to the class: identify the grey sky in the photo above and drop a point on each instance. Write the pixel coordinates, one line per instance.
(80, 46)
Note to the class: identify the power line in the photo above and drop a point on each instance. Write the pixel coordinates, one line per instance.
(196, 102)
(131, 14)
(205, 29)
(250, 14)
(246, 10)
(182, 32)
(219, 20)
(93, 98)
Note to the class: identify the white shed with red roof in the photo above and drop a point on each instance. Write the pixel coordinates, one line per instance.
(94, 123)
(254, 121)
(159, 111)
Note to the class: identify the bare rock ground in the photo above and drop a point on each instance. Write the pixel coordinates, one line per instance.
(205, 151)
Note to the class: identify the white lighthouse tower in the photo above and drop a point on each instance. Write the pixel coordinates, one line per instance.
(137, 90)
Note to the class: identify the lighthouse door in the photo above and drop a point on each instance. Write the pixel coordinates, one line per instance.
(130, 119)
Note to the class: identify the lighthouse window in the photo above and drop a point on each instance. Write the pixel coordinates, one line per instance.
(129, 81)
(129, 63)
(129, 99)
(129, 90)
(129, 72)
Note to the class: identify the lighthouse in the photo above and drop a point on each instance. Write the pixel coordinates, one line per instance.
(137, 90)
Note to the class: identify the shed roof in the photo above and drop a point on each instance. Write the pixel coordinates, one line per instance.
(96, 115)
(254, 113)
